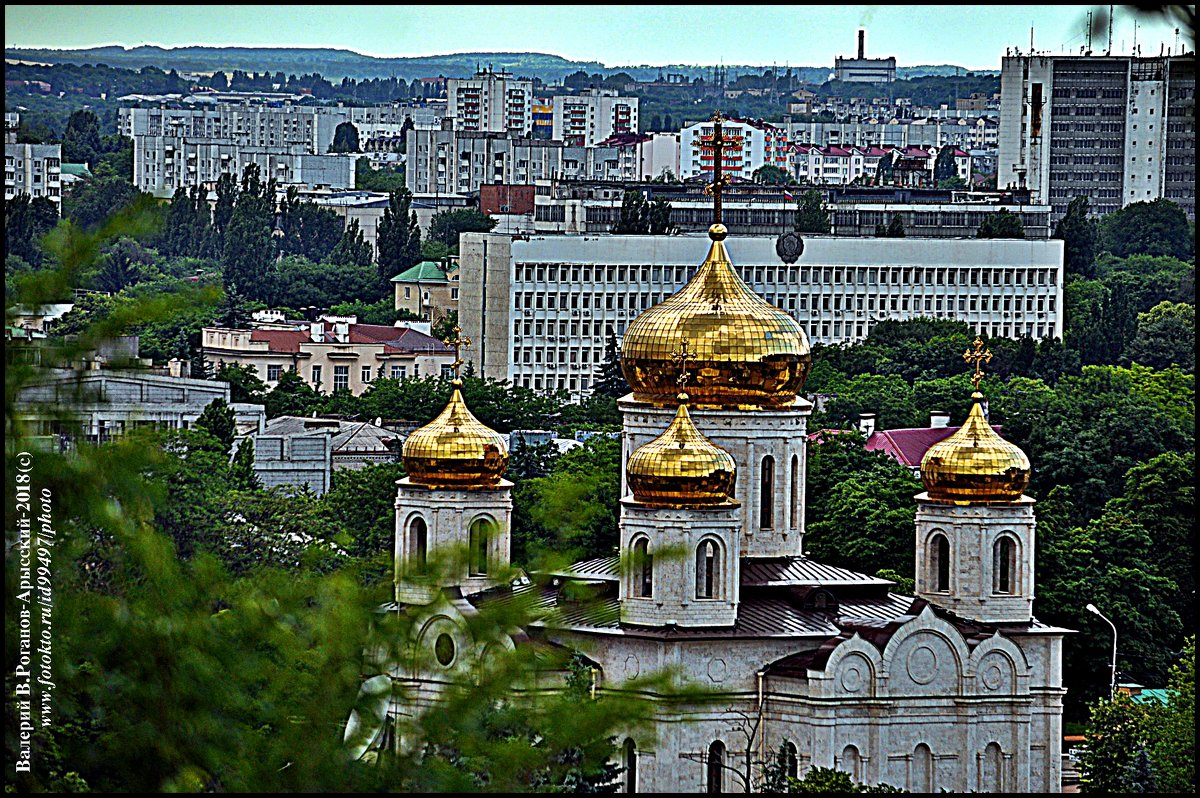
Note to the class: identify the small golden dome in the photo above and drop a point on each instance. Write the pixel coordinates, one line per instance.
(746, 351)
(975, 464)
(681, 467)
(455, 450)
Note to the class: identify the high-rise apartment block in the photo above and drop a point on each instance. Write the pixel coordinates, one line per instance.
(33, 169)
(491, 102)
(748, 145)
(588, 118)
(1117, 129)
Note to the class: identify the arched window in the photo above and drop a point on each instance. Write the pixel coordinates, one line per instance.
(791, 761)
(939, 563)
(707, 570)
(992, 776)
(850, 762)
(766, 494)
(922, 769)
(418, 543)
(715, 781)
(1004, 565)
(629, 751)
(478, 547)
(795, 492)
(643, 569)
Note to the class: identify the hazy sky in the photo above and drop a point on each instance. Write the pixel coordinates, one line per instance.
(974, 37)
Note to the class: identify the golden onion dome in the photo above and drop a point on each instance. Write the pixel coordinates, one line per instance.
(974, 464)
(455, 450)
(681, 467)
(745, 350)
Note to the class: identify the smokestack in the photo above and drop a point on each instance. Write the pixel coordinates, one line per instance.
(862, 44)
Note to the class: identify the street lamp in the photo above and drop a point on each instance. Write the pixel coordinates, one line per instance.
(1112, 684)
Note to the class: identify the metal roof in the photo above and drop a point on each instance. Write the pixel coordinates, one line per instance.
(801, 571)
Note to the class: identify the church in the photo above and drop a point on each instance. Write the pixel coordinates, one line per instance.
(957, 688)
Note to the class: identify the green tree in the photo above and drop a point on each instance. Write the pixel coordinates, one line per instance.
(26, 222)
(306, 228)
(365, 500)
(397, 238)
(1079, 234)
(893, 229)
(345, 138)
(811, 214)
(1001, 224)
(943, 165)
(291, 396)
(233, 311)
(1166, 336)
(658, 217)
(124, 263)
(218, 420)
(1159, 227)
(81, 140)
(883, 172)
(1116, 733)
(249, 251)
(241, 470)
(772, 176)
(89, 203)
(222, 211)
(301, 283)
(610, 379)
(245, 386)
(446, 226)
(635, 214)
(351, 249)
(1173, 727)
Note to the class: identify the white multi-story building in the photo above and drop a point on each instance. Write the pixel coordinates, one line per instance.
(540, 308)
(979, 132)
(1116, 129)
(748, 145)
(491, 102)
(840, 166)
(590, 117)
(33, 169)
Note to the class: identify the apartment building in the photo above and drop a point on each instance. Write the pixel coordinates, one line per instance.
(588, 118)
(539, 308)
(748, 146)
(491, 102)
(840, 166)
(33, 169)
(968, 132)
(1112, 128)
(332, 353)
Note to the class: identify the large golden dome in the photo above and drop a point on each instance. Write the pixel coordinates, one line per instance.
(681, 467)
(455, 450)
(975, 464)
(745, 350)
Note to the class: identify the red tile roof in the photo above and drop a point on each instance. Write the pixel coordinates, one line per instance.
(280, 340)
(908, 446)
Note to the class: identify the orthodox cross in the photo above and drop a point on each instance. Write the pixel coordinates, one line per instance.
(978, 358)
(714, 188)
(458, 343)
(681, 356)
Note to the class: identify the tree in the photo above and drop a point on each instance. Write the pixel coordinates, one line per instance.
(81, 140)
(306, 228)
(351, 249)
(89, 203)
(397, 238)
(249, 252)
(1079, 234)
(883, 172)
(635, 214)
(446, 226)
(26, 221)
(1001, 224)
(218, 420)
(345, 138)
(1173, 727)
(1166, 336)
(241, 470)
(233, 311)
(811, 215)
(659, 217)
(610, 380)
(244, 382)
(1159, 227)
(291, 396)
(125, 263)
(943, 166)
(772, 176)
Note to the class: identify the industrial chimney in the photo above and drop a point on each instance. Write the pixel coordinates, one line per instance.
(862, 44)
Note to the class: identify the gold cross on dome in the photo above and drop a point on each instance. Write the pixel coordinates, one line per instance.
(681, 356)
(978, 357)
(713, 189)
(458, 343)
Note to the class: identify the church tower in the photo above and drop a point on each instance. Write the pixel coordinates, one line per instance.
(454, 508)
(749, 361)
(975, 526)
(680, 530)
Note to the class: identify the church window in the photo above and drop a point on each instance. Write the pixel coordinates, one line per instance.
(707, 566)
(992, 777)
(922, 769)
(1004, 565)
(715, 781)
(477, 546)
(939, 565)
(766, 494)
(418, 543)
(643, 569)
(795, 492)
(443, 649)
(791, 762)
(630, 756)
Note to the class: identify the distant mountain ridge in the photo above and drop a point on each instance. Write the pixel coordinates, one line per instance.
(335, 64)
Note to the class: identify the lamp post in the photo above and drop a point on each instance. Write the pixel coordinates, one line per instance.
(1112, 684)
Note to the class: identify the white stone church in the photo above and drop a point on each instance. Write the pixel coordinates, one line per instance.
(958, 688)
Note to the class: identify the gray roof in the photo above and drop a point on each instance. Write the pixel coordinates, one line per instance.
(801, 571)
(348, 436)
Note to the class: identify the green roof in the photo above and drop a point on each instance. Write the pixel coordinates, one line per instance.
(1153, 695)
(424, 271)
(77, 169)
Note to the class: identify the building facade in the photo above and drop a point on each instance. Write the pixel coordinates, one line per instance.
(33, 169)
(748, 145)
(1117, 129)
(540, 308)
(587, 118)
(491, 102)
(330, 354)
